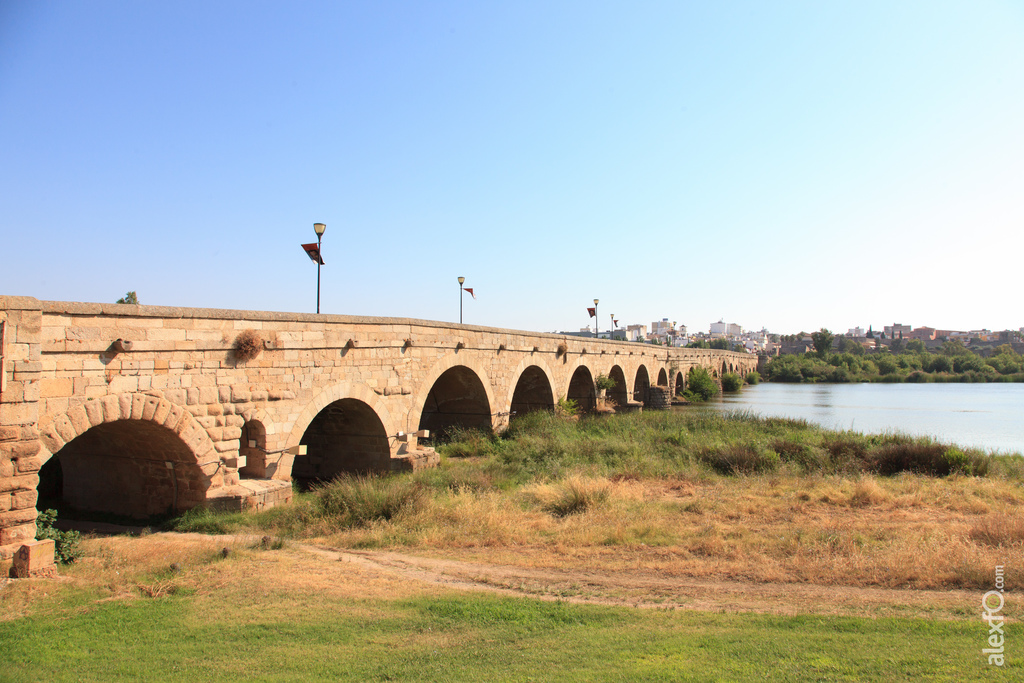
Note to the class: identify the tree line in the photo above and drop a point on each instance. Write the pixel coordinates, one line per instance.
(902, 361)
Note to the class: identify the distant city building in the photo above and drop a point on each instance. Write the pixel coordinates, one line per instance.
(724, 329)
(856, 332)
(896, 330)
(922, 334)
(636, 333)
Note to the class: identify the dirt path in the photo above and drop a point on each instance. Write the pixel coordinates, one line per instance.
(640, 588)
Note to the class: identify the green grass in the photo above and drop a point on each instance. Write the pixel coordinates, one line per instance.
(480, 638)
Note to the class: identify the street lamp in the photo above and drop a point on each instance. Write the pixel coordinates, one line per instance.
(597, 323)
(319, 229)
(462, 281)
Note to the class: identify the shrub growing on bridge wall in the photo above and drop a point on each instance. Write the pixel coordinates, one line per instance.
(248, 345)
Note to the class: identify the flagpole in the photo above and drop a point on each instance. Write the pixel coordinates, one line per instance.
(597, 322)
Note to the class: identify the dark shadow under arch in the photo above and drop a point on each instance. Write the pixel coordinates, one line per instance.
(457, 400)
(642, 385)
(131, 468)
(346, 437)
(582, 390)
(532, 393)
(618, 394)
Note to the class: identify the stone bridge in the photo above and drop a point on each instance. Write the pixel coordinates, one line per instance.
(151, 409)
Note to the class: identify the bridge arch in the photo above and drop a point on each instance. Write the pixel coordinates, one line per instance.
(128, 454)
(662, 378)
(642, 385)
(456, 393)
(582, 389)
(619, 394)
(337, 392)
(533, 388)
(680, 383)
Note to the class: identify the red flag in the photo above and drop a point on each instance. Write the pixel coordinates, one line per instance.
(592, 312)
(616, 322)
(470, 290)
(313, 252)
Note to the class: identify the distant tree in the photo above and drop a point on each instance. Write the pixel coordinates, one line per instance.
(916, 345)
(822, 342)
(954, 347)
(698, 344)
(721, 344)
(129, 298)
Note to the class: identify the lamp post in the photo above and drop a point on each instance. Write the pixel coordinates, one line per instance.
(462, 281)
(597, 322)
(612, 316)
(319, 229)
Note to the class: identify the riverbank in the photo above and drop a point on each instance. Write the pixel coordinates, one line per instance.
(686, 494)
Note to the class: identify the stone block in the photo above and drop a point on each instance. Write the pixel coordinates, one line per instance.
(94, 411)
(18, 413)
(17, 517)
(79, 419)
(27, 465)
(21, 500)
(6, 500)
(62, 425)
(12, 450)
(17, 534)
(14, 392)
(34, 560)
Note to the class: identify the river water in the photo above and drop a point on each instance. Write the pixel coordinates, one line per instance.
(988, 416)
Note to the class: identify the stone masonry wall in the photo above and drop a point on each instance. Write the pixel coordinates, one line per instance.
(68, 367)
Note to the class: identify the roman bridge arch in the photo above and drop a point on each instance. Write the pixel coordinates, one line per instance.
(531, 388)
(134, 455)
(455, 393)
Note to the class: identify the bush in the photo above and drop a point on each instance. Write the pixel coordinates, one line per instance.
(753, 377)
(248, 345)
(573, 495)
(700, 384)
(604, 382)
(739, 458)
(926, 458)
(65, 543)
(358, 500)
(567, 407)
(731, 382)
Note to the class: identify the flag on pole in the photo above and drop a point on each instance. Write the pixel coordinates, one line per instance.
(313, 252)
(592, 312)
(615, 321)
(470, 290)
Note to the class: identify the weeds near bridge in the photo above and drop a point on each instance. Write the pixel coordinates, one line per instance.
(690, 493)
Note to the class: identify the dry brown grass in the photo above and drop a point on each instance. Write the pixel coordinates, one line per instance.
(905, 531)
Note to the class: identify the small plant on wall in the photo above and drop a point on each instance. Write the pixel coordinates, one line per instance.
(604, 383)
(248, 345)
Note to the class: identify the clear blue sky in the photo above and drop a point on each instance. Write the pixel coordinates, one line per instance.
(780, 164)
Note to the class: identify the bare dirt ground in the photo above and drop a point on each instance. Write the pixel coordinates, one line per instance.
(123, 567)
(652, 589)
